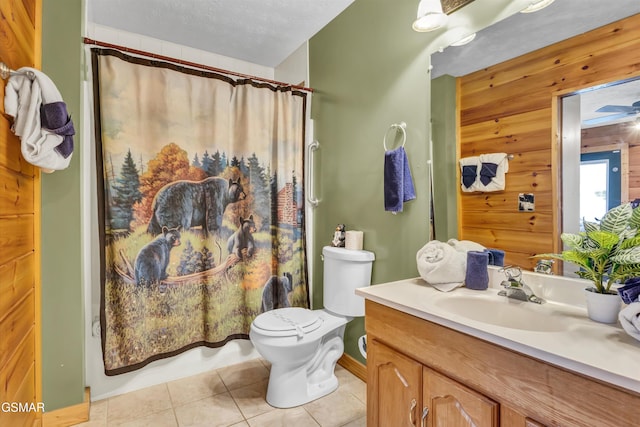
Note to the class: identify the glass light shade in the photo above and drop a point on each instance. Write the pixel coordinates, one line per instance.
(430, 16)
(464, 40)
(535, 6)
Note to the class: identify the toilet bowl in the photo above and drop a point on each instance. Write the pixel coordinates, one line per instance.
(304, 345)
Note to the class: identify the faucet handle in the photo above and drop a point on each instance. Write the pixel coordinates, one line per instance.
(513, 272)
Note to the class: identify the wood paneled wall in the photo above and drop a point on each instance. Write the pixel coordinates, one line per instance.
(19, 231)
(513, 107)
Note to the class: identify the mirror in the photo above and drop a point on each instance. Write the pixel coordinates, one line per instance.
(552, 21)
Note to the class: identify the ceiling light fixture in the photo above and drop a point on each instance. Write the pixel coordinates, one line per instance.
(464, 40)
(430, 16)
(536, 5)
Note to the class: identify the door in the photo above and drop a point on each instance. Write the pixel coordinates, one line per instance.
(451, 404)
(394, 392)
(19, 236)
(600, 178)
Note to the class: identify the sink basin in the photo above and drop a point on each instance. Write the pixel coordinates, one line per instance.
(504, 312)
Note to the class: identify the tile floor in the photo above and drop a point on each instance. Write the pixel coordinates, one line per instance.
(232, 396)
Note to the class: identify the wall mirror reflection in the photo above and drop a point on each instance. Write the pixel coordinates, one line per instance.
(510, 89)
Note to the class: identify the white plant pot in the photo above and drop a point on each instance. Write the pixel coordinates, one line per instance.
(603, 308)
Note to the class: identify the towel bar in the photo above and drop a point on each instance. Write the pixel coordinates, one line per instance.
(6, 72)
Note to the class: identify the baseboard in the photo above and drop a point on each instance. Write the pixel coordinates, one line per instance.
(352, 365)
(70, 415)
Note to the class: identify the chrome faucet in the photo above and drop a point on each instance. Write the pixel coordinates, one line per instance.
(515, 288)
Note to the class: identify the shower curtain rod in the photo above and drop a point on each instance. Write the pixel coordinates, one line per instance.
(191, 64)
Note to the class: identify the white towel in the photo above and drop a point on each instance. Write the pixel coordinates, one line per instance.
(441, 265)
(469, 170)
(22, 100)
(491, 172)
(630, 319)
(465, 245)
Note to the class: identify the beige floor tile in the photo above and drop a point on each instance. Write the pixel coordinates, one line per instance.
(196, 387)
(138, 404)
(243, 374)
(215, 411)
(336, 409)
(92, 424)
(251, 399)
(241, 424)
(160, 419)
(98, 410)
(357, 387)
(284, 418)
(360, 422)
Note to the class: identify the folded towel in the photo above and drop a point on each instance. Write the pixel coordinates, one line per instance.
(398, 184)
(630, 319)
(493, 168)
(496, 257)
(630, 291)
(477, 275)
(441, 265)
(27, 92)
(469, 173)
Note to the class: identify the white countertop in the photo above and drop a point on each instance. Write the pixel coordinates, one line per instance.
(572, 341)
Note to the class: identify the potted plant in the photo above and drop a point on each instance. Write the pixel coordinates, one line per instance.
(608, 253)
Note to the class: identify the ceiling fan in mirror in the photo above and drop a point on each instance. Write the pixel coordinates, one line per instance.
(621, 112)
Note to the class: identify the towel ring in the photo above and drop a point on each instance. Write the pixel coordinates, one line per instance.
(403, 127)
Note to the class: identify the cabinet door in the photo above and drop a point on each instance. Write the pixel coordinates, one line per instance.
(394, 390)
(453, 405)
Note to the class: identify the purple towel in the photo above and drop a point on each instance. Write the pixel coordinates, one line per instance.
(398, 184)
(496, 257)
(630, 291)
(54, 117)
(477, 276)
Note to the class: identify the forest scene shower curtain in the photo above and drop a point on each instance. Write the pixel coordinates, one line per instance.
(200, 188)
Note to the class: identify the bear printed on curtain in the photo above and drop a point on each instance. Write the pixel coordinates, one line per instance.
(201, 206)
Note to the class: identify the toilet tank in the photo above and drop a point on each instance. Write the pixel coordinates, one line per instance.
(344, 271)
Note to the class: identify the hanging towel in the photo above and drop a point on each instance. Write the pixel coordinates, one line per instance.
(398, 184)
(493, 168)
(477, 275)
(630, 319)
(469, 173)
(40, 119)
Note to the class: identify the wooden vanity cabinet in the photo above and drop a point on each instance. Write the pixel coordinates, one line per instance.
(414, 364)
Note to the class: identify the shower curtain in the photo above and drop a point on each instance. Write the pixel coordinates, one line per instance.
(200, 185)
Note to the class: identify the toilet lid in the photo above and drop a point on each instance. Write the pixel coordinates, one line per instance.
(288, 321)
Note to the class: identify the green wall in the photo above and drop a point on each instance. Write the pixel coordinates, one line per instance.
(62, 296)
(443, 137)
(369, 69)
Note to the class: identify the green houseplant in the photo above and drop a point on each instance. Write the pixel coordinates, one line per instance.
(607, 252)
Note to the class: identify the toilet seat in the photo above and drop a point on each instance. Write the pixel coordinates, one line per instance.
(286, 322)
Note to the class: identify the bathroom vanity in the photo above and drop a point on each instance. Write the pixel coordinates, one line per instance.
(469, 357)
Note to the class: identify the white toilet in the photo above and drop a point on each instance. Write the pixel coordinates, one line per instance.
(304, 345)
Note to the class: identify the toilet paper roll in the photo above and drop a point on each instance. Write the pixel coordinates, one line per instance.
(353, 240)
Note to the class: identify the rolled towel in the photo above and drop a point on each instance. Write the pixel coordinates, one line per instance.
(630, 291)
(440, 265)
(496, 257)
(477, 275)
(465, 245)
(630, 319)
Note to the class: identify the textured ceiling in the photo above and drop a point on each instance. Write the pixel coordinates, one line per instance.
(263, 32)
